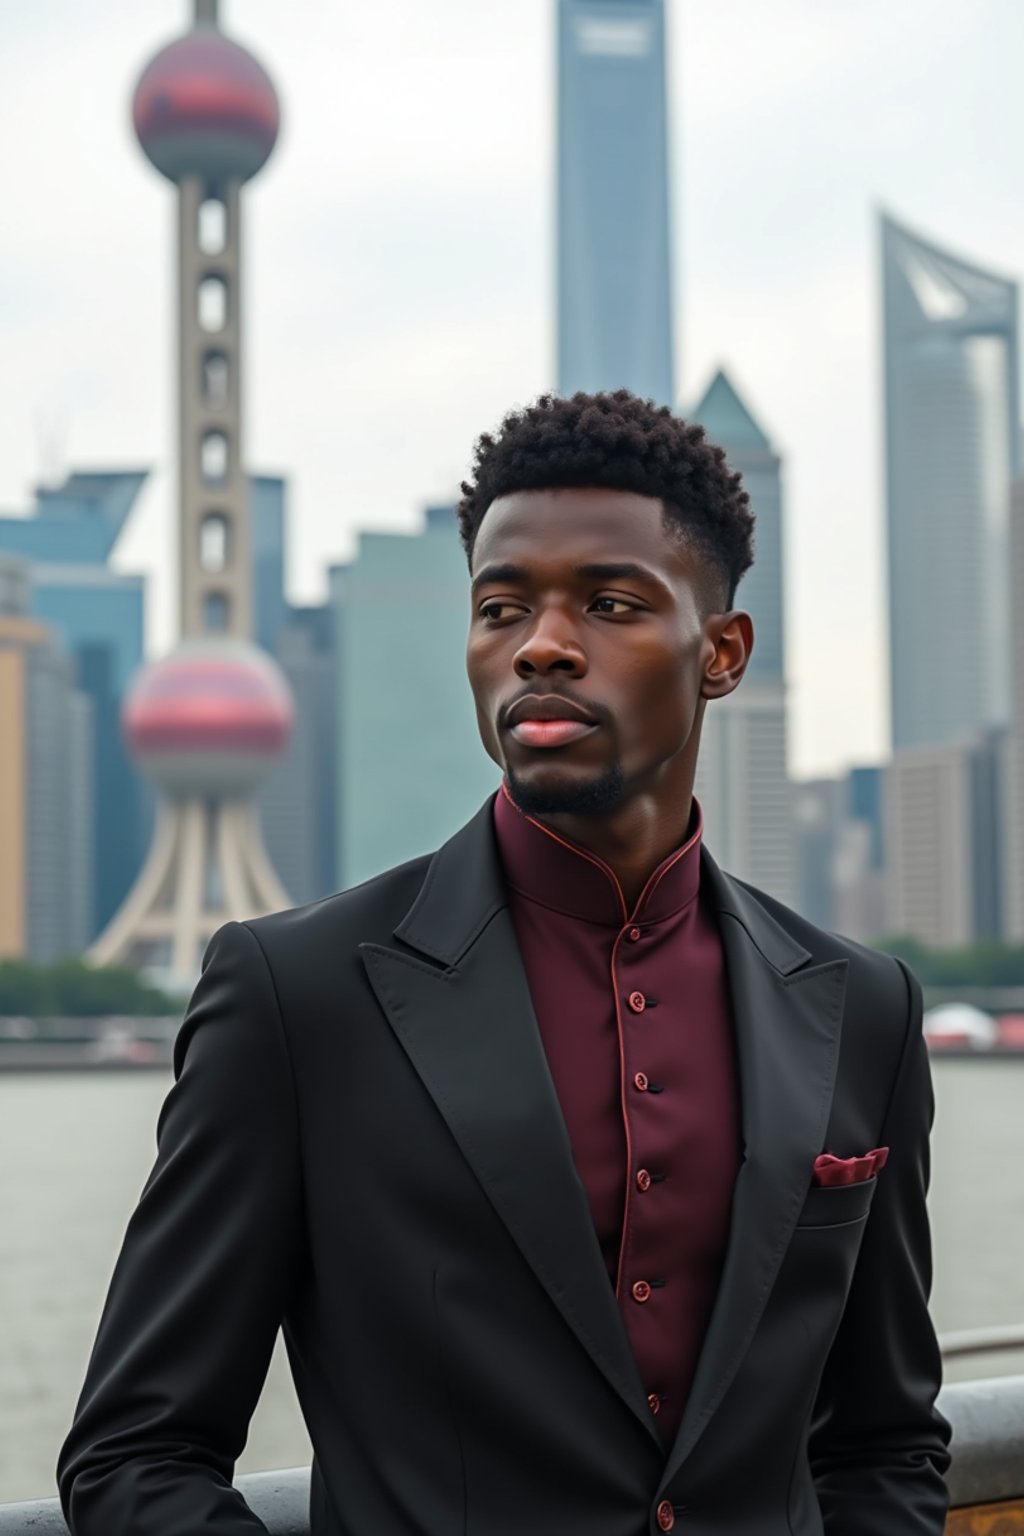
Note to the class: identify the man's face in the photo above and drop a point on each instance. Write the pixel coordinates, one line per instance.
(588, 652)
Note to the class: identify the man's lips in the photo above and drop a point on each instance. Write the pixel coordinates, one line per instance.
(551, 733)
(545, 720)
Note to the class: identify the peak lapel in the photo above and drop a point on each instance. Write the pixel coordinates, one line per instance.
(787, 1020)
(468, 1027)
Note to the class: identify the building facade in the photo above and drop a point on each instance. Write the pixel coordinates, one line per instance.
(298, 804)
(945, 852)
(614, 245)
(1012, 796)
(46, 823)
(97, 615)
(951, 418)
(411, 768)
(742, 779)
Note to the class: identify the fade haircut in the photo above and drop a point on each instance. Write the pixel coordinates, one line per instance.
(616, 441)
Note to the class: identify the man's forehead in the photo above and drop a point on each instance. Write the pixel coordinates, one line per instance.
(577, 523)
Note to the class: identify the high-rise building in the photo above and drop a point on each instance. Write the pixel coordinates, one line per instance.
(944, 848)
(411, 768)
(267, 517)
(951, 409)
(206, 722)
(97, 615)
(839, 843)
(742, 779)
(614, 260)
(298, 803)
(46, 825)
(1012, 795)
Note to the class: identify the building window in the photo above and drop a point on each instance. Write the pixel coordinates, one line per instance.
(213, 304)
(213, 226)
(213, 458)
(215, 380)
(213, 542)
(215, 612)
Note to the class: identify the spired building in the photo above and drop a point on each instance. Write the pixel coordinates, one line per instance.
(951, 417)
(614, 265)
(742, 780)
(207, 722)
(951, 402)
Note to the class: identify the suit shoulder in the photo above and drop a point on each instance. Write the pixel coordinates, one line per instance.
(363, 913)
(873, 975)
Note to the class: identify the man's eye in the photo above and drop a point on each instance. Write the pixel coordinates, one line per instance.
(495, 611)
(613, 605)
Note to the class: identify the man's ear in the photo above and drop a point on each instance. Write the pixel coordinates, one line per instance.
(731, 637)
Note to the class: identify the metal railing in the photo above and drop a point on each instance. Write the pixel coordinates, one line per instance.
(988, 1466)
(982, 1341)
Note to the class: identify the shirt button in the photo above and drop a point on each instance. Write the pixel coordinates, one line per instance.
(637, 1002)
(634, 934)
(640, 1081)
(641, 1291)
(666, 1515)
(654, 1402)
(643, 1181)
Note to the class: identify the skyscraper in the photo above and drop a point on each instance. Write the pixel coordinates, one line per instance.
(97, 616)
(742, 780)
(411, 767)
(951, 416)
(614, 262)
(46, 824)
(1012, 798)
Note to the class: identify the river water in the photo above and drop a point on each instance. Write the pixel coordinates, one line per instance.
(75, 1150)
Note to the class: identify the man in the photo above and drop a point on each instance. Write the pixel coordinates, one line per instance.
(587, 1183)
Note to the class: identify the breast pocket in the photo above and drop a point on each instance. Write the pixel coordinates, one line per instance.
(839, 1205)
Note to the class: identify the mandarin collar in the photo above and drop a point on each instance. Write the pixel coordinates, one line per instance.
(548, 868)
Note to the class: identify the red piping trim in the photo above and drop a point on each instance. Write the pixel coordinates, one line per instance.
(625, 1122)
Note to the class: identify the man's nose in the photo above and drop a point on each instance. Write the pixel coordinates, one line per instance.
(551, 646)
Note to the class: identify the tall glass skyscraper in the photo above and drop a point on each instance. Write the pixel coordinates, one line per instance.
(614, 275)
(951, 406)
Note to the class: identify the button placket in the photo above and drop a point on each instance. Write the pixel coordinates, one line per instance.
(628, 962)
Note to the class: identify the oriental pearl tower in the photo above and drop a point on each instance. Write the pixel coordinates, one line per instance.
(207, 722)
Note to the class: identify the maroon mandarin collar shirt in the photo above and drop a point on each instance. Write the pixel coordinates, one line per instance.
(634, 1014)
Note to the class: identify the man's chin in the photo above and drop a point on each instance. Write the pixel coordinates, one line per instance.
(548, 794)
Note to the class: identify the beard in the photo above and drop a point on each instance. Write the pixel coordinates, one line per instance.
(590, 799)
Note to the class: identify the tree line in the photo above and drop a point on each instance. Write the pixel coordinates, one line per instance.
(70, 989)
(988, 963)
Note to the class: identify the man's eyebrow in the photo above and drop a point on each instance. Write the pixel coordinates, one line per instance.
(616, 570)
(498, 573)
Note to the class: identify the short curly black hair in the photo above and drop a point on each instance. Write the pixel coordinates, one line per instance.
(616, 441)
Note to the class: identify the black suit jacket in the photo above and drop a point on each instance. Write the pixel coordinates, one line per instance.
(364, 1146)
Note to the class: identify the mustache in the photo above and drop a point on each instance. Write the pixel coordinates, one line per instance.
(597, 712)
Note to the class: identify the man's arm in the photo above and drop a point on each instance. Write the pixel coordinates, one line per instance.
(203, 1278)
(878, 1449)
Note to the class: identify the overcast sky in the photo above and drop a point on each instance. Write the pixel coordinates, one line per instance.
(399, 250)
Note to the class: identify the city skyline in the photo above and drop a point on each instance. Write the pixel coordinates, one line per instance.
(429, 268)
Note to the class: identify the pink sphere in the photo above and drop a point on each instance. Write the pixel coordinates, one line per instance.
(211, 718)
(205, 107)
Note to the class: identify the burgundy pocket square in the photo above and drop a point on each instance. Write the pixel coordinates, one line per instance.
(830, 1171)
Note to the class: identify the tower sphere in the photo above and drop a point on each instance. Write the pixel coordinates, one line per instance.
(204, 107)
(208, 719)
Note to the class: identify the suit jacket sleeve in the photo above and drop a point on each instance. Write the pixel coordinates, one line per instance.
(203, 1277)
(878, 1448)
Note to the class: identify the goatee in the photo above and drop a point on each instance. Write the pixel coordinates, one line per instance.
(591, 799)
